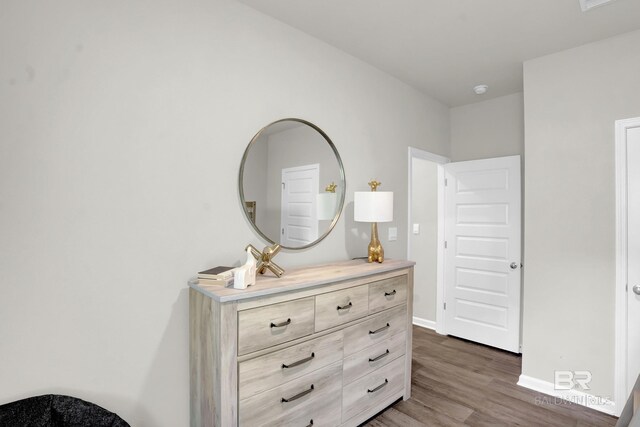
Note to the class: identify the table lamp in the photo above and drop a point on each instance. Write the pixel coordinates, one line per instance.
(374, 207)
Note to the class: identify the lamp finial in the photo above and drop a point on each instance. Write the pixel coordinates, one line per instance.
(374, 184)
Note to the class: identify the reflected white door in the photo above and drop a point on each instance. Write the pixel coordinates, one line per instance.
(482, 255)
(633, 257)
(299, 213)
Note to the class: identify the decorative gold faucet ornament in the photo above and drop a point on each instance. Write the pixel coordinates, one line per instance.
(265, 259)
(375, 251)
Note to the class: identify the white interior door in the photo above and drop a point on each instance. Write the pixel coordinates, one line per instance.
(482, 255)
(633, 257)
(299, 212)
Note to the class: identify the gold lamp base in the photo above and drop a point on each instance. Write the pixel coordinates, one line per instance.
(376, 253)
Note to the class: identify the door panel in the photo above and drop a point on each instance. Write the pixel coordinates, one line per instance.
(299, 216)
(633, 256)
(482, 281)
(483, 234)
(478, 214)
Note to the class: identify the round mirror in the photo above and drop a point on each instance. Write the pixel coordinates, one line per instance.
(292, 183)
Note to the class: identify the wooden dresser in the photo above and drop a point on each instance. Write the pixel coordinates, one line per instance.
(326, 345)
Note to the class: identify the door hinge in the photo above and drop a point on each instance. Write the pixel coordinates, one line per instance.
(283, 186)
(445, 305)
(283, 231)
(445, 244)
(446, 182)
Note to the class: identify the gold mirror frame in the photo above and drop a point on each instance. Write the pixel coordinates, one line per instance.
(342, 177)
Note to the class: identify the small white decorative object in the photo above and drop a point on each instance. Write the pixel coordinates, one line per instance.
(245, 275)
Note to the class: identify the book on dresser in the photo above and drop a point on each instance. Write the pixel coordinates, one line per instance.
(216, 282)
(216, 273)
(217, 276)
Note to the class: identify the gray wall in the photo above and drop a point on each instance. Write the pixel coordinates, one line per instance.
(424, 246)
(493, 128)
(122, 126)
(571, 102)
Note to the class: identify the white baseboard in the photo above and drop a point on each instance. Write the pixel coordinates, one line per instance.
(424, 323)
(574, 396)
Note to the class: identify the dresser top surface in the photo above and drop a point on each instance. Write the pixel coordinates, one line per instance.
(302, 278)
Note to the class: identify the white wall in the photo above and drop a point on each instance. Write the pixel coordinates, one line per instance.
(424, 246)
(572, 99)
(122, 126)
(493, 128)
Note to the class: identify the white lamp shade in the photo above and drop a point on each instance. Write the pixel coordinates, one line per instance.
(327, 203)
(373, 206)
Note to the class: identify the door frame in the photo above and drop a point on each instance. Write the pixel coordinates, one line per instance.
(620, 373)
(417, 153)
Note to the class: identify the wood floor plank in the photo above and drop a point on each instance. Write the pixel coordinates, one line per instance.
(418, 411)
(451, 371)
(586, 416)
(460, 383)
(479, 419)
(394, 418)
(441, 404)
(479, 349)
(496, 405)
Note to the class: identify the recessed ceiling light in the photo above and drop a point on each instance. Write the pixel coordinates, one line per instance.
(480, 89)
(590, 4)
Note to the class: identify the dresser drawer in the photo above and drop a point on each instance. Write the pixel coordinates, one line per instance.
(338, 307)
(374, 330)
(266, 326)
(368, 391)
(387, 293)
(274, 369)
(371, 358)
(315, 396)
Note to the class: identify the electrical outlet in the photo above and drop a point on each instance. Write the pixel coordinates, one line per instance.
(416, 228)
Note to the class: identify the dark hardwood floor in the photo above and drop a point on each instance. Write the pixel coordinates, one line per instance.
(460, 383)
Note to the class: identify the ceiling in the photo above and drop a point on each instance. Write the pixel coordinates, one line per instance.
(446, 47)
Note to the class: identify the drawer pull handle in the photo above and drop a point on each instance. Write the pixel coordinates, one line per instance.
(299, 362)
(387, 326)
(281, 324)
(310, 423)
(298, 396)
(388, 294)
(375, 359)
(344, 307)
(386, 381)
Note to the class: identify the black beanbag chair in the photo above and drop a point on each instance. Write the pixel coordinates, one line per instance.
(52, 410)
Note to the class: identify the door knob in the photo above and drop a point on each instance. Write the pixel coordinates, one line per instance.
(636, 289)
(513, 266)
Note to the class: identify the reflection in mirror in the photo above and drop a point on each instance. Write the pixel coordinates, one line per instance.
(292, 183)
